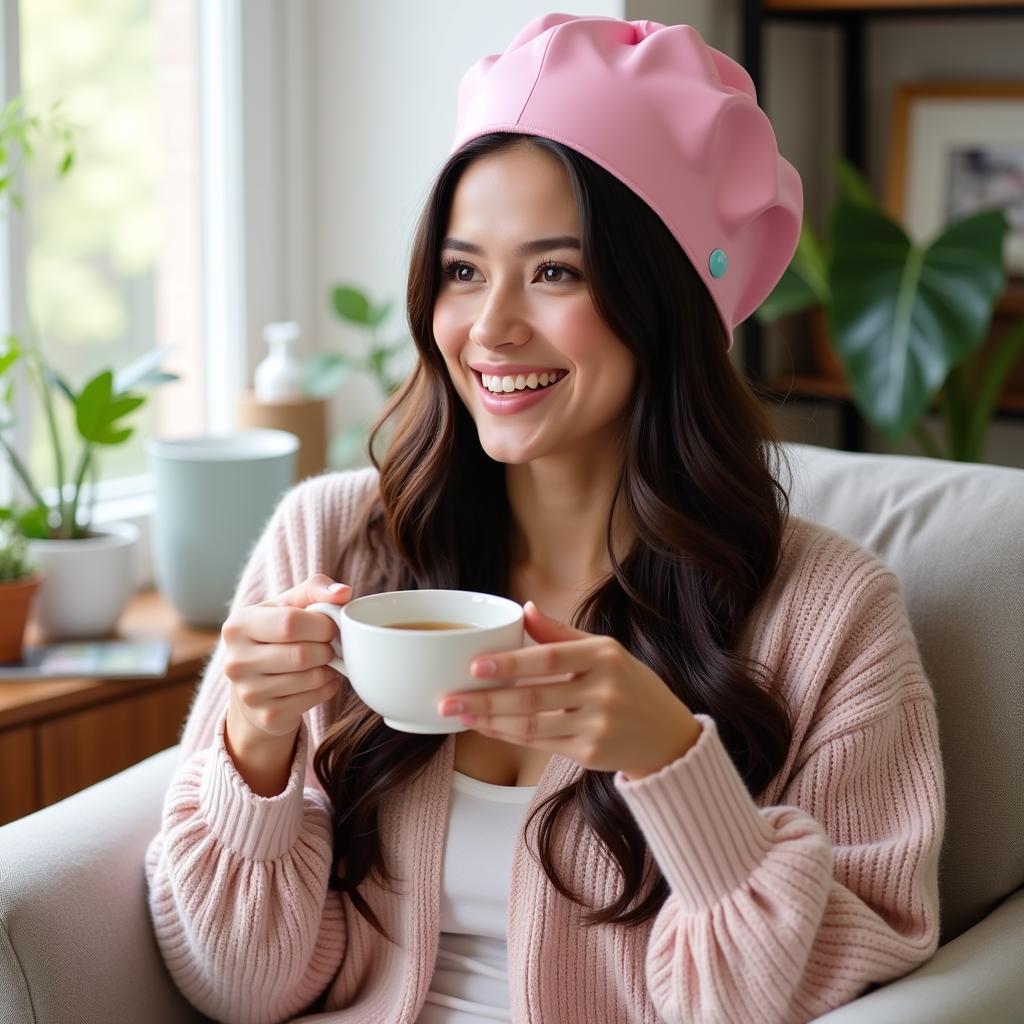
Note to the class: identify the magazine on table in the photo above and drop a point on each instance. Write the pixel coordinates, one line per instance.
(99, 658)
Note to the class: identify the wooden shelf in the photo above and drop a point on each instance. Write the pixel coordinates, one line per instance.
(827, 6)
(58, 736)
(147, 616)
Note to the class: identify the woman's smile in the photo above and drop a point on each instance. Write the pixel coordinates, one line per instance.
(507, 402)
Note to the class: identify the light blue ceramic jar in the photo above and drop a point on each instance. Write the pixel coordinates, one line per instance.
(214, 495)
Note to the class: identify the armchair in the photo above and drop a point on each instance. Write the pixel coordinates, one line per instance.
(75, 940)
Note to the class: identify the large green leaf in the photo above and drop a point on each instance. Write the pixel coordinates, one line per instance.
(902, 318)
(97, 408)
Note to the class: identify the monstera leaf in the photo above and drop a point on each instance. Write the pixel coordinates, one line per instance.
(901, 317)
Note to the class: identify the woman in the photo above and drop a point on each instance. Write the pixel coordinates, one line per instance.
(710, 786)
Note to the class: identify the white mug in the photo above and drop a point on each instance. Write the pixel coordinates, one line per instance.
(403, 673)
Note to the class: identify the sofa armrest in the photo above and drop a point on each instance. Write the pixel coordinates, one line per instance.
(76, 942)
(978, 976)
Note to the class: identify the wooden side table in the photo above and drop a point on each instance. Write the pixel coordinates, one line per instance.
(58, 736)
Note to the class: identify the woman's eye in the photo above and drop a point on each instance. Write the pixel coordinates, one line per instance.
(453, 269)
(553, 270)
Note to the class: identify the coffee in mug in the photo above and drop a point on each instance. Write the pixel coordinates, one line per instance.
(404, 649)
(431, 625)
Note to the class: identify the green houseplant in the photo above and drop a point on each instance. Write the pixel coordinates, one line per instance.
(324, 372)
(99, 407)
(101, 402)
(907, 322)
(19, 581)
(75, 557)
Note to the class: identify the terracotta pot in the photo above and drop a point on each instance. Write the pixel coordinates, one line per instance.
(16, 598)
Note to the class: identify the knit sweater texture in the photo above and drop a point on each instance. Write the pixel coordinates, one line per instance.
(779, 908)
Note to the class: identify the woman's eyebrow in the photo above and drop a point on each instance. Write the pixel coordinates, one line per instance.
(538, 245)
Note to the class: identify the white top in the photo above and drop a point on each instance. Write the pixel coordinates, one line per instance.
(470, 982)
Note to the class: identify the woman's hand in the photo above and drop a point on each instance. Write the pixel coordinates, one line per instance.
(277, 657)
(612, 713)
(276, 660)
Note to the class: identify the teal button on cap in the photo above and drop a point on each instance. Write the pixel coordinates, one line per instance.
(718, 262)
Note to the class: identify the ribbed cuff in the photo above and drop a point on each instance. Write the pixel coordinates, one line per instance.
(705, 832)
(254, 827)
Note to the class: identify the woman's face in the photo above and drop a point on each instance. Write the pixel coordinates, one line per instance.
(499, 307)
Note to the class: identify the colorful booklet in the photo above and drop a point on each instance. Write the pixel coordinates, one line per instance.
(101, 658)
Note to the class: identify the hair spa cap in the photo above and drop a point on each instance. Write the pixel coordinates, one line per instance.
(674, 119)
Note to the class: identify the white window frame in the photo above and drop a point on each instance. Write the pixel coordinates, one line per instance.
(222, 37)
(12, 254)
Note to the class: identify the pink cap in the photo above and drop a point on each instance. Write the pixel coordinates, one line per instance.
(674, 119)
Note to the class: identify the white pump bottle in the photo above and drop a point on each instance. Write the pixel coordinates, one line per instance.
(278, 378)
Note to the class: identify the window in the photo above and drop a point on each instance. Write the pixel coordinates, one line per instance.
(113, 263)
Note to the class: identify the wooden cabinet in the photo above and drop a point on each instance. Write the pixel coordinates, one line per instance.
(17, 773)
(58, 736)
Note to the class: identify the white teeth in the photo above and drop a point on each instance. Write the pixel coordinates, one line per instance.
(500, 385)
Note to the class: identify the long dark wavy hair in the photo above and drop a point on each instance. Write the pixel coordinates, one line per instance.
(698, 484)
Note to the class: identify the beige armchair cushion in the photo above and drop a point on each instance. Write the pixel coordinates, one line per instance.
(954, 535)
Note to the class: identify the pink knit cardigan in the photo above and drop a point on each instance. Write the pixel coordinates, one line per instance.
(780, 907)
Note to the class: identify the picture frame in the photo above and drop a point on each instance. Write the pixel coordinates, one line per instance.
(955, 148)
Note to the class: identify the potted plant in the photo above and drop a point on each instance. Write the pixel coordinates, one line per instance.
(19, 581)
(906, 323)
(325, 371)
(78, 558)
(88, 572)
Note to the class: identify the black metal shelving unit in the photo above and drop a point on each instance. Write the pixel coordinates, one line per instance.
(851, 20)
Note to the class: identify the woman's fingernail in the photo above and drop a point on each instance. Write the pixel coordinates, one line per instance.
(335, 587)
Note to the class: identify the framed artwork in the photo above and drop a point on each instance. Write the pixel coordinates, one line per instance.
(956, 148)
(872, 5)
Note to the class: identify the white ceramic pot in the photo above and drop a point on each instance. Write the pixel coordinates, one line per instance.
(87, 582)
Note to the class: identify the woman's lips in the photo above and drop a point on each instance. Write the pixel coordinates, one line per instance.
(513, 401)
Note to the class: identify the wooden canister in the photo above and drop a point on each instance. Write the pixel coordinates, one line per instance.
(305, 418)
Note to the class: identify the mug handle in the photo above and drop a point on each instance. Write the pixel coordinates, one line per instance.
(332, 611)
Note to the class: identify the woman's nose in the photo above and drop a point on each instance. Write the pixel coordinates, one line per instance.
(499, 322)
